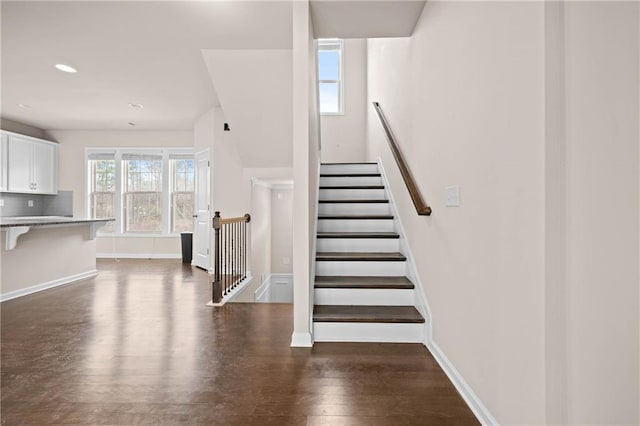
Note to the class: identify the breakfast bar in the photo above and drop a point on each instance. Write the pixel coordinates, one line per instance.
(42, 252)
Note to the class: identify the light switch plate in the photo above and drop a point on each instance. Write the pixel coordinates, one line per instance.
(286, 260)
(452, 196)
(30, 203)
(1, 203)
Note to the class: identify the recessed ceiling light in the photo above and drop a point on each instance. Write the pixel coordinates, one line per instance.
(24, 106)
(131, 123)
(136, 106)
(66, 68)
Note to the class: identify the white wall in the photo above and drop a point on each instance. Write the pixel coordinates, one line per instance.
(271, 234)
(260, 242)
(344, 136)
(306, 157)
(227, 172)
(254, 88)
(72, 177)
(532, 108)
(261, 234)
(465, 98)
(230, 194)
(281, 230)
(602, 53)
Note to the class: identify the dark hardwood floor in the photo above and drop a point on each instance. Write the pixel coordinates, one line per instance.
(137, 345)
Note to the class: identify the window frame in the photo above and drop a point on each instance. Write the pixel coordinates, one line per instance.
(90, 181)
(331, 44)
(173, 191)
(121, 183)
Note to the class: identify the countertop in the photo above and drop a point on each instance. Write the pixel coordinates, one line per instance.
(8, 222)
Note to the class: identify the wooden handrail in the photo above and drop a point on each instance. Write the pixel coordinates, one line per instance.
(246, 218)
(421, 207)
(230, 254)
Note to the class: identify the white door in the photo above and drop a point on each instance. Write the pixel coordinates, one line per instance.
(202, 219)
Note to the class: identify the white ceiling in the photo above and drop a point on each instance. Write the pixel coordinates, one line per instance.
(151, 53)
(141, 52)
(365, 18)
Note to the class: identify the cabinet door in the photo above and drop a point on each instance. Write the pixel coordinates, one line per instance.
(44, 168)
(19, 165)
(3, 162)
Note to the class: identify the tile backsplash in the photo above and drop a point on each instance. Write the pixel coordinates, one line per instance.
(43, 205)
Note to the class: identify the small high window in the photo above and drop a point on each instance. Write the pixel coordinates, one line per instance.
(330, 76)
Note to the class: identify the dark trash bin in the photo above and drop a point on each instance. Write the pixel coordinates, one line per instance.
(187, 246)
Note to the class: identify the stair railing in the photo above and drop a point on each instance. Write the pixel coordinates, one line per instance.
(230, 254)
(421, 206)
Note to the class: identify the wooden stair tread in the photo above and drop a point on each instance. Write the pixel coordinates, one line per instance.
(347, 164)
(363, 282)
(359, 313)
(353, 187)
(356, 217)
(361, 256)
(354, 201)
(351, 174)
(391, 235)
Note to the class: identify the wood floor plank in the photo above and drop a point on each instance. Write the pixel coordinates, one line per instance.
(137, 345)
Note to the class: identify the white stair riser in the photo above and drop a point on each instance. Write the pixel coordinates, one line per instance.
(368, 332)
(358, 244)
(352, 194)
(358, 268)
(363, 296)
(350, 180)
(351, 225)
(348, 168)
(352, 208)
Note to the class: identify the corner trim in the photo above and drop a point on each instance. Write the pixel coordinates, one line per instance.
(47, 285)
(301, 340)
(481, 412)
(138, 256)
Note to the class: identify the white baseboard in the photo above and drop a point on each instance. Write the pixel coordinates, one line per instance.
(233, 293)
(262, 295)
(473, 401)
(138, 256)
(301, 340)
(51, 284)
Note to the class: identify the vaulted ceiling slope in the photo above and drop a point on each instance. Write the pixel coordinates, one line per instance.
(256, 94)
(140, 52)
(365, 18)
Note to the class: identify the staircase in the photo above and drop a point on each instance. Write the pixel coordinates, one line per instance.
(361, 290)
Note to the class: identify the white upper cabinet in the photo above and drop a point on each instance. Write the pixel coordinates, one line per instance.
(45, 167)
(31, 165)
(3, 162)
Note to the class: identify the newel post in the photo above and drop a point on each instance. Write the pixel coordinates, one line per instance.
(217, 282)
